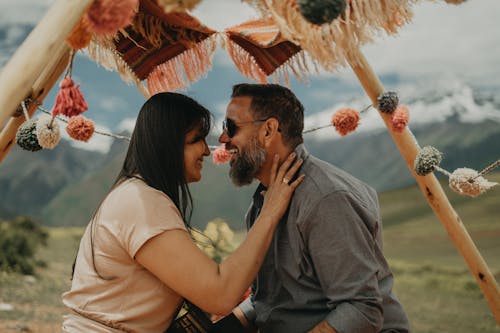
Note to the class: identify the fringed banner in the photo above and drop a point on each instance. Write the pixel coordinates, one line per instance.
(259, 50)
(168, 50)
(331, 44)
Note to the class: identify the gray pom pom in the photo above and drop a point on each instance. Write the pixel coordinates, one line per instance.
(426, 161)
(321, 11)
(388, 102)
(26, 136)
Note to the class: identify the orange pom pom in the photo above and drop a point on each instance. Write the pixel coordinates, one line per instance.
(400, 118)
(80, 128)
(345, 121)
(80, 37)
(109, 16)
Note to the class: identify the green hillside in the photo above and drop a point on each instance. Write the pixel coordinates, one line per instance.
(431, 279)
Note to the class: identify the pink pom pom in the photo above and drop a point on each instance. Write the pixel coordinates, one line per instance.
(69, 100)
(221, 155)
(400, 118)
(345, 120)
(109, 16)
(80, 128)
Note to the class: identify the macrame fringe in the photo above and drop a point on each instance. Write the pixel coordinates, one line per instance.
(245, 62)
(183, 69)
(333, 44)
(102, 51)
(248, 66)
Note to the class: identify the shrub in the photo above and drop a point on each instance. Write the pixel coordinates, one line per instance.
(19, 239)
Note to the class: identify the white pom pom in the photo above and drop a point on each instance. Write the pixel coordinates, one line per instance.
(47, 132)
(463, 181)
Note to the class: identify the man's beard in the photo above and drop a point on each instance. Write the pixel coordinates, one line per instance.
(247, 163)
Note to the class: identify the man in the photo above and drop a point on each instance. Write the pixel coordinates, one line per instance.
(325, 271)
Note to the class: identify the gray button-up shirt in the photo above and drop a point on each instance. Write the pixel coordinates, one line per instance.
(325, 261)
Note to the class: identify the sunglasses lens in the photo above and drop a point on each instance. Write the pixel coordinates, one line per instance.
(230, 127)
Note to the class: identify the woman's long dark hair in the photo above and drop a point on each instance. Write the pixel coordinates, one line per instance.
(156, 150)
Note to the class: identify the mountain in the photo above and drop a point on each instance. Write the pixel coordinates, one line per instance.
(64, 186)
(371, 157)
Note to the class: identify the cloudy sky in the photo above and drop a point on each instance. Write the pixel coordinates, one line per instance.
(461, 39)
(444, 42)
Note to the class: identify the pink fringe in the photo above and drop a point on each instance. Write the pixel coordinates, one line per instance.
(69, 101)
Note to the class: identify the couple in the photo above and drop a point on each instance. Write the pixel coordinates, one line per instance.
(313, 249)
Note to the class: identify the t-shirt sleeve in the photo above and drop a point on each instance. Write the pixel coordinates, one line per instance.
(146, 213)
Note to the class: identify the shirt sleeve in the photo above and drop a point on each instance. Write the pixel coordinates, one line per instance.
(340, 234)
(248, 310)
(149, 214)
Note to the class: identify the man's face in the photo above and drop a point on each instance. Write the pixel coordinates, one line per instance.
(241, 140)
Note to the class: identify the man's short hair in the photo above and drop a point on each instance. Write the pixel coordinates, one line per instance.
(273, 100)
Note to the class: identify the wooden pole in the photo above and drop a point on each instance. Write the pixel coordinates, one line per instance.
(40, 90)
(433, 192)
(30, 59)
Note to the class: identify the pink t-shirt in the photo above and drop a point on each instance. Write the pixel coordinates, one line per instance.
(129, 298)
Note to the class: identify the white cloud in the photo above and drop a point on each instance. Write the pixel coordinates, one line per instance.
(111, 103)
(127, 125)
(441, 39)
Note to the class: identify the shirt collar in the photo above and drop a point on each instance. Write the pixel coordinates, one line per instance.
(258, 199)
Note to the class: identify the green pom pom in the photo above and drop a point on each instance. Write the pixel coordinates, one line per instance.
(426, 161)
(321, 11)
(26, 136)
(388, 102)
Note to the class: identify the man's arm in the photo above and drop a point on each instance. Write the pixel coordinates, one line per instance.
(341, 243)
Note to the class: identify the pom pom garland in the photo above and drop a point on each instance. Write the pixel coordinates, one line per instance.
(47, 132)
(345, 121)
(26, 136)
(69, 101)
(400, 118)
(321, 11)
(388, 102)
(467, 181)
(221, 155)
(80, 128)
(426, 161)
(79, 37)
(108, 16)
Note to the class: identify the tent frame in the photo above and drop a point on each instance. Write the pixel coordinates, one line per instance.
(42, 57)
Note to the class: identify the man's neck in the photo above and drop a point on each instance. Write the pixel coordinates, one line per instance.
(263, 174)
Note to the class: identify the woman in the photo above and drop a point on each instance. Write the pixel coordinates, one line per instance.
(137, 260)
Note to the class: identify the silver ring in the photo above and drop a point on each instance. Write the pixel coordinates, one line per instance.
(286, 181)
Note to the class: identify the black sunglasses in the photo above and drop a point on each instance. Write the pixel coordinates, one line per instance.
(231, 127)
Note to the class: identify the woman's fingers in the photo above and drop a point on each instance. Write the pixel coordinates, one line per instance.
(297, 181)
(293, 169)
(285, 166)
(274, 169)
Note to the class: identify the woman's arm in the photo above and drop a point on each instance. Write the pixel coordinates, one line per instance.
(217, 288)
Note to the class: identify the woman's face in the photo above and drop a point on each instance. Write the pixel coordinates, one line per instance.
(195, 149)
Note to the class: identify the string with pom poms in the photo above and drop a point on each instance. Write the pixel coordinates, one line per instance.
(464, 181)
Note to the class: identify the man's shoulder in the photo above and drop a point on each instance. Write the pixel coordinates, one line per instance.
(323, 178)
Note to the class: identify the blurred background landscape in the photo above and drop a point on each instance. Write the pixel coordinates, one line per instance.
(445, 68)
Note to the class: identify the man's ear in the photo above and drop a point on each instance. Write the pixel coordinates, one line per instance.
(271, 130)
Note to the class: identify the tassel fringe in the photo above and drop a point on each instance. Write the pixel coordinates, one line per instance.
(331, 45)
(183, 69)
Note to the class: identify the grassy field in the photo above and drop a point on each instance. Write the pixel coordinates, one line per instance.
(432, 279)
